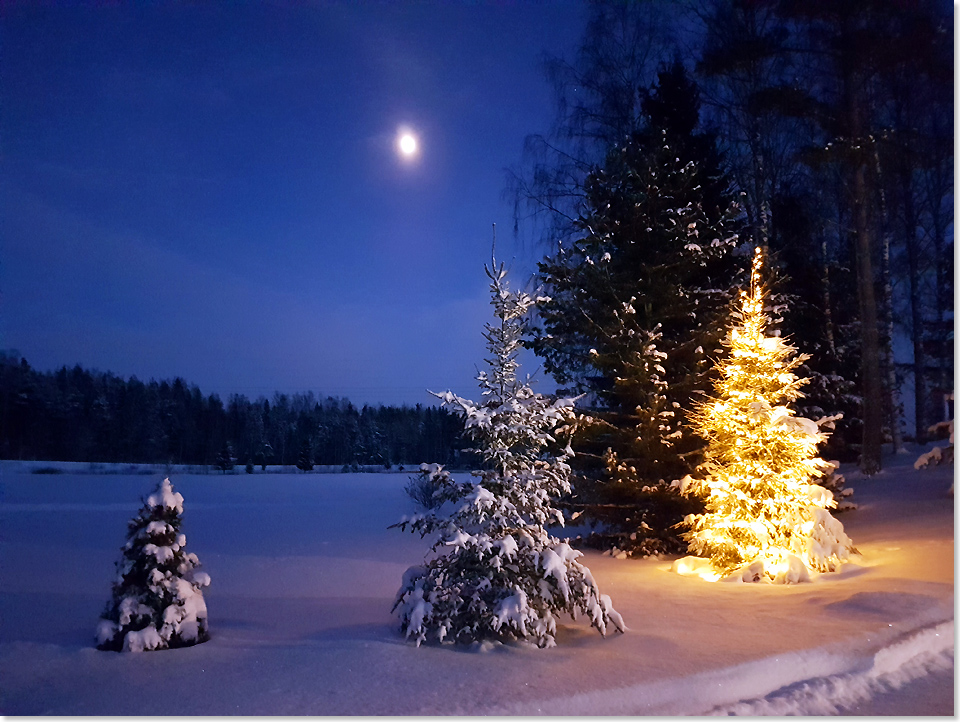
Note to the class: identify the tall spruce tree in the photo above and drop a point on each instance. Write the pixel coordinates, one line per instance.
(305, 458)
(633, 312)
(494, 571)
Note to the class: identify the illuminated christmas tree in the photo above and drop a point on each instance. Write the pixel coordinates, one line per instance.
(765, 514)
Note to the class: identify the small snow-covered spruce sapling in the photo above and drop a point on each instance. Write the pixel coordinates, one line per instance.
(938, 454)
(493, 572)
(157, 595)
(765, 515)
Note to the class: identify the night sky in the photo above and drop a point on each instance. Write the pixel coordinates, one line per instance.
(216, 193)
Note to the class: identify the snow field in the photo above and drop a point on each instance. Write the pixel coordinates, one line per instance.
(303, 572)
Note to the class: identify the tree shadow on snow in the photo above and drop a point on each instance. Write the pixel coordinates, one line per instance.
(568, 636)
(897, 605)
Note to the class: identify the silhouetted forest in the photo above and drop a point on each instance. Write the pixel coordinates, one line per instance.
(83, 415)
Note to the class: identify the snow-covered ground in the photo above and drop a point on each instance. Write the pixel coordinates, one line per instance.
(304, 571)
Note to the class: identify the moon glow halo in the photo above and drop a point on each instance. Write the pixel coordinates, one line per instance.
(407, 144)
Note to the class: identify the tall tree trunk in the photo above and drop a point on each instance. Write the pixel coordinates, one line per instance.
(827, 303)
(890, 366)
(916, 309)
(760, 189)
(943, 276)
(869, 335)
(872, 404)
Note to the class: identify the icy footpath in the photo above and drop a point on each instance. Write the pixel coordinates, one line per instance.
(306, 571)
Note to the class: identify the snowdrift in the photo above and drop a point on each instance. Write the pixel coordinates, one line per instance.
(304, 571)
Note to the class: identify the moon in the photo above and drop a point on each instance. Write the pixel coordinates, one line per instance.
(407, 144)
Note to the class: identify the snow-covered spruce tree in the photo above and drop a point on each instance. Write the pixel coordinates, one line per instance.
(635, 305)
(765, 515)
(493, 571)
(938, 454)
(157, 599)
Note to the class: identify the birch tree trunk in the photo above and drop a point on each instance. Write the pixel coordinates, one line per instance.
(916, 308)
(892, 388)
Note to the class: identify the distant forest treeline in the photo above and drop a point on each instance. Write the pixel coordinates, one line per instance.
(81, 415)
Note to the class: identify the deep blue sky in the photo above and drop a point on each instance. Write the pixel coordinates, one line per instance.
(214, 192)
